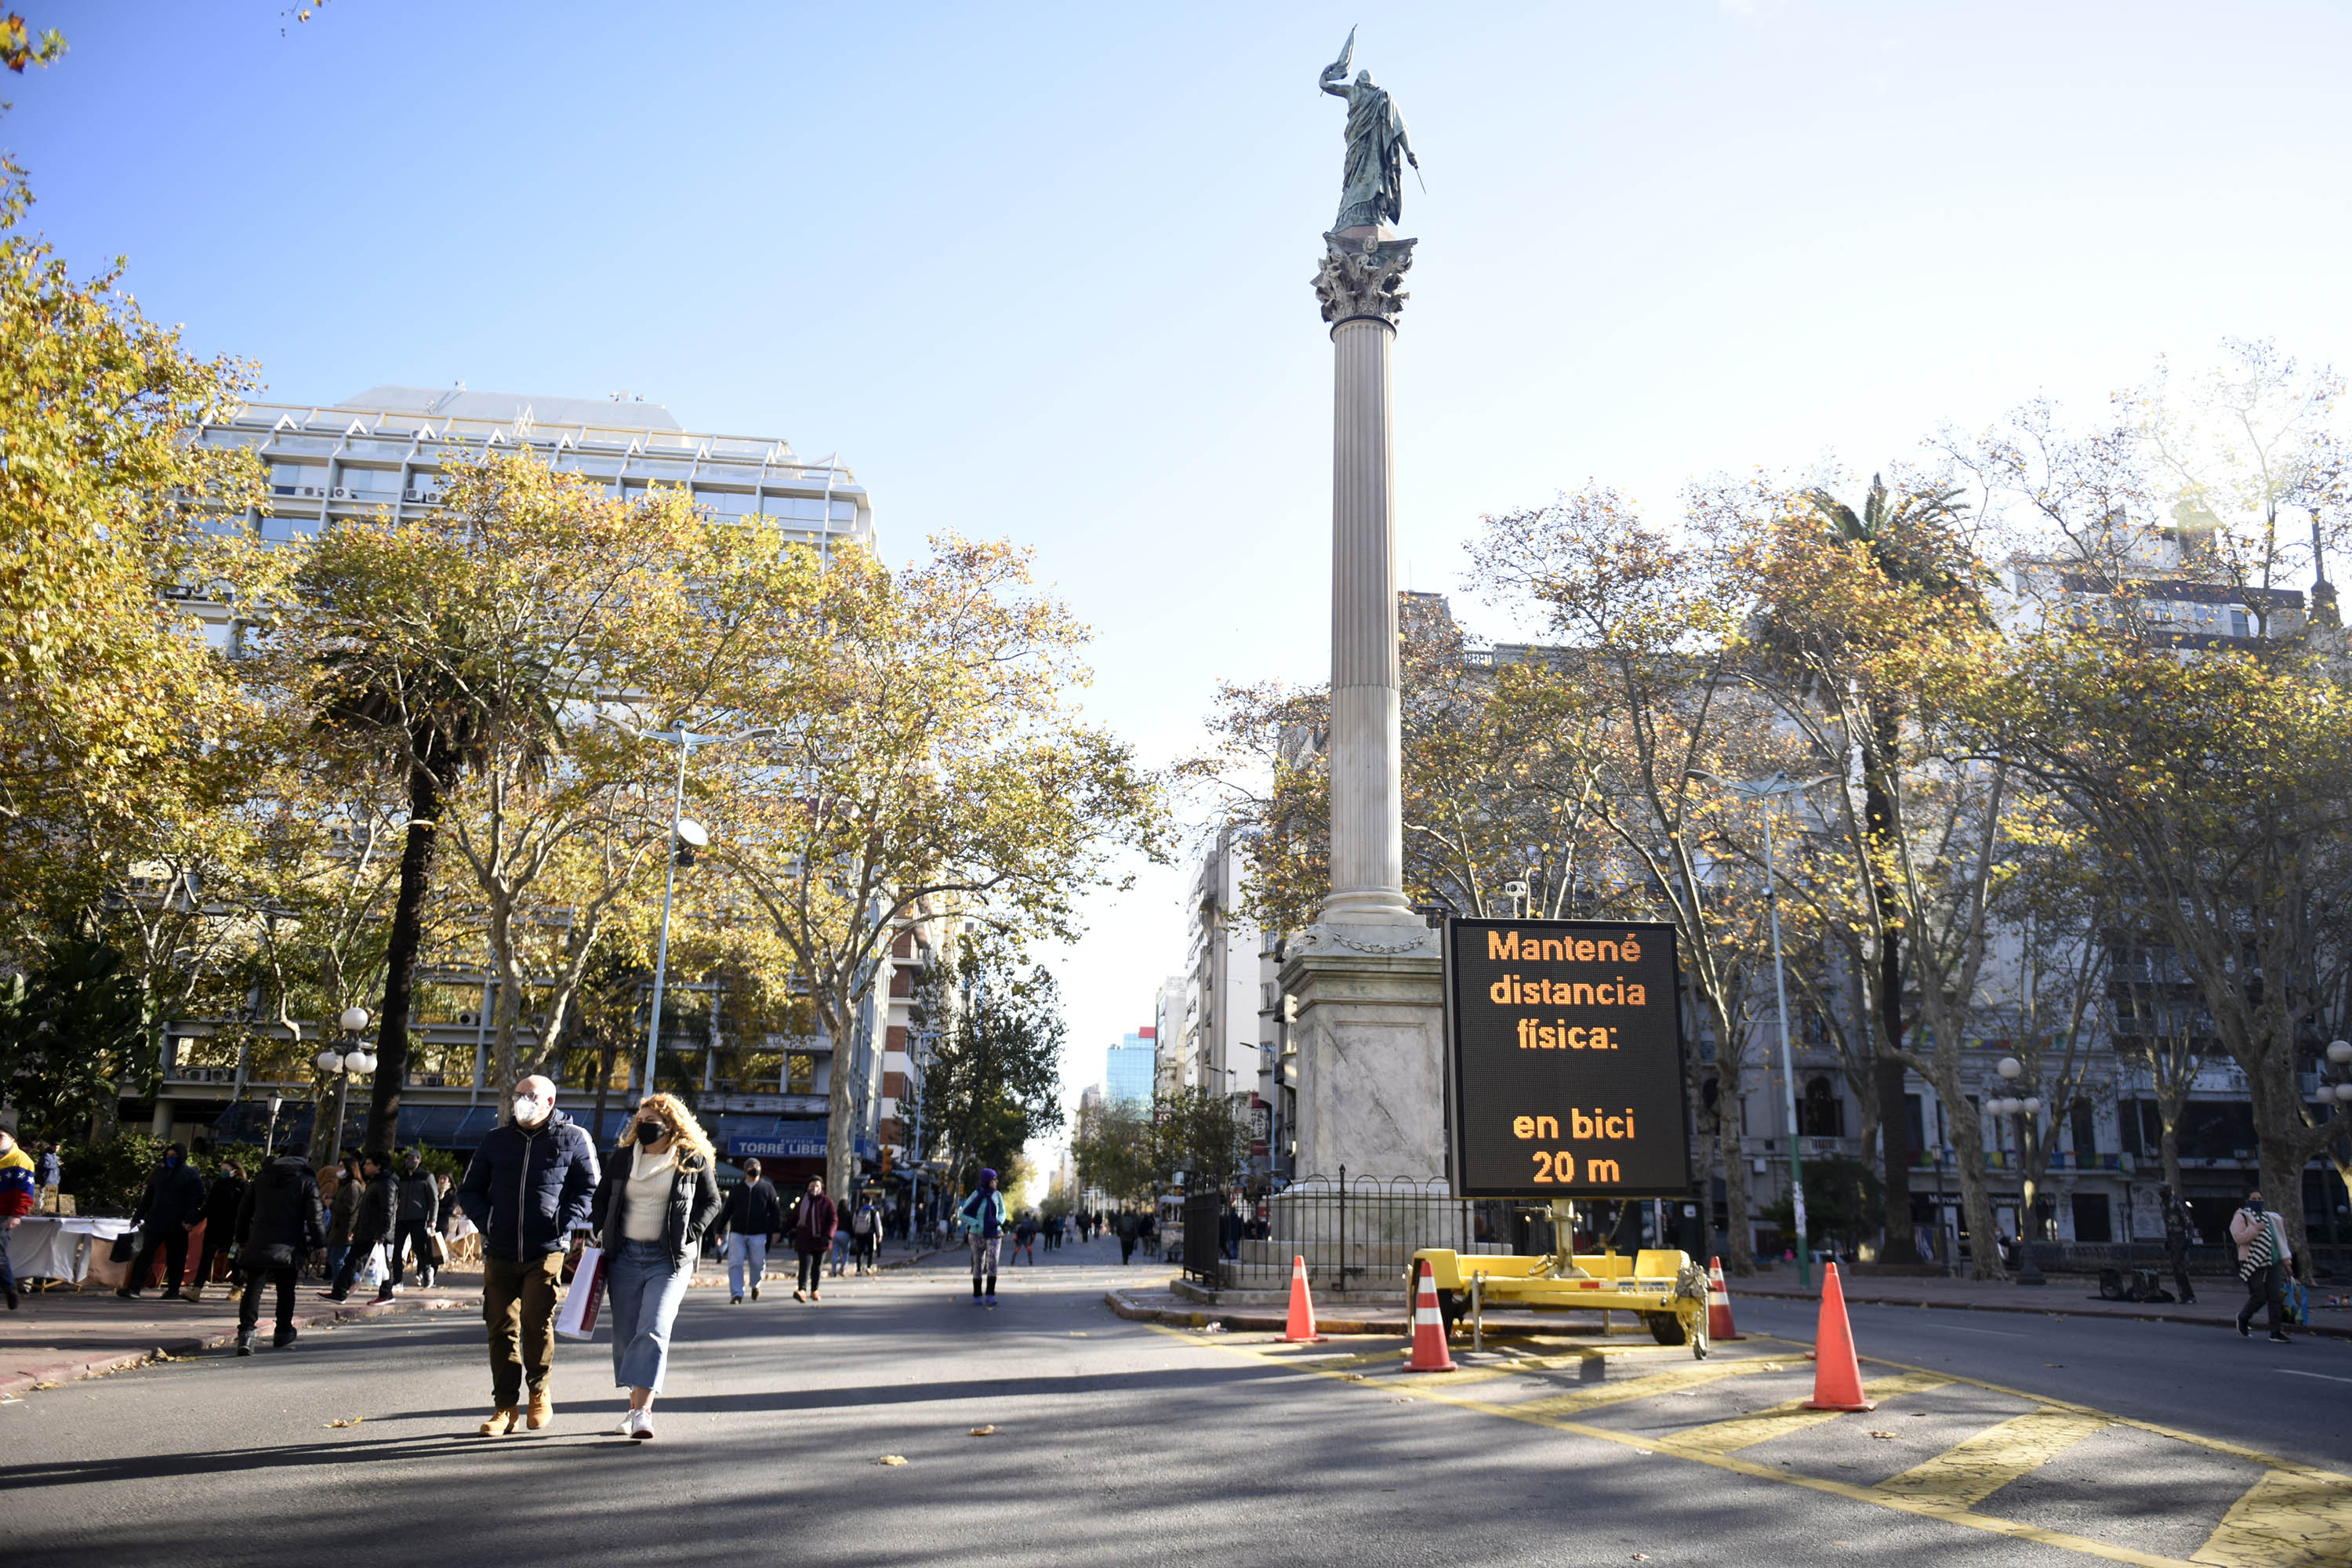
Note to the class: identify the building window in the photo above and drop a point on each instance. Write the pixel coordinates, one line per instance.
(800, 1073)
(1821, 1114)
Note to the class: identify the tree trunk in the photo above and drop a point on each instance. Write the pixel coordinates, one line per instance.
(1894, 1146)
(839, 1013)
(1976, 1201)
(2167, 1116)
(604, 1087)
(1735, 1180)
(407, 935)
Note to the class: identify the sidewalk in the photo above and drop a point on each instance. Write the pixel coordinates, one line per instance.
(62, 1334)
(2068, 1295)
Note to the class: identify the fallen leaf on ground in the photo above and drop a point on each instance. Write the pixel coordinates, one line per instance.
(892, 1459)
(1079, 1334)
(352, 1422)
(983, 1431)
(1353, 1377)
(1881, 1433)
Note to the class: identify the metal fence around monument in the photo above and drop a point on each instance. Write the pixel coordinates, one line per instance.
(1357, 1234)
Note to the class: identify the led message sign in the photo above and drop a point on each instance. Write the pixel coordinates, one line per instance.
(1564, 1060)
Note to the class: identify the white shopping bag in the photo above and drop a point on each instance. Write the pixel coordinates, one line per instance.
(576, 1319)
(376, 1270)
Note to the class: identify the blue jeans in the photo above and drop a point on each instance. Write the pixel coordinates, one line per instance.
(7, 1270)
(840, 1249)
(645, 1290)
(745, 1253)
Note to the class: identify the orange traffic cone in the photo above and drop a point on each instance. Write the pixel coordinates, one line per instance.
(1429, 1352)
(1719, 1305)
(1837, 1376)
(1301, 1328)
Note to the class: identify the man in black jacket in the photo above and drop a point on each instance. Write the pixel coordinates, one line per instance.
(417, 1207)
(372, 1222)
(277, 1225)
(752, 1220)
(532, 1184)
(169, 1209)
(222, 1201)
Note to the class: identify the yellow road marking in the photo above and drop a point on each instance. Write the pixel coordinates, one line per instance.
(1973, 1469)
(1763, 1425)
(1697, 1374)
(2289, 1519)
(1940, 1510)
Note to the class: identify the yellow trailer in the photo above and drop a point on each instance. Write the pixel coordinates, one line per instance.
(1667, 1289)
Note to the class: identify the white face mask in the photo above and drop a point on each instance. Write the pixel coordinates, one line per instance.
(529, 1108)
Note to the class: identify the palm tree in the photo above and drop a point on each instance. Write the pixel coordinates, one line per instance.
(1907, 539)
(430, 694)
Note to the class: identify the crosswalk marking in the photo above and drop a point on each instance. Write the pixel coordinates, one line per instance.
(2289, 1519)
(1977, 1467)
(1763, 1425)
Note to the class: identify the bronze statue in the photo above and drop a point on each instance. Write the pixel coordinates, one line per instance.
(1378, 148)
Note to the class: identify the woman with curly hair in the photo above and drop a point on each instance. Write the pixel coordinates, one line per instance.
(656, 1198)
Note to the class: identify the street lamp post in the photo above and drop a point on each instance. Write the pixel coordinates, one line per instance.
(269, 1138)
(919, 1057)
(681, 830)
(1770, 793)
(354, 1058)
(2028, 1112)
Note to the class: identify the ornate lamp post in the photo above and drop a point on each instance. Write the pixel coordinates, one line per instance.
(354, 1057)
(2028, 1112)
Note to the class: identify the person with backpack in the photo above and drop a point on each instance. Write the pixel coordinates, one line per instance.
(277, 1223)
(2263, 1253)
(865, 1235)
(984, 1221)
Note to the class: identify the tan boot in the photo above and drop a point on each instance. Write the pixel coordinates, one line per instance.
(542, 1410)
(196, 1292)
(501, 1422)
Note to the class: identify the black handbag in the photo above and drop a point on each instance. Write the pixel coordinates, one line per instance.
(125, 1248)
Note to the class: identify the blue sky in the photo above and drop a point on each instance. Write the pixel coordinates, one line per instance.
(1043, 272)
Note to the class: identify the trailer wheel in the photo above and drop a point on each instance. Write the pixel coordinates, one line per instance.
(1666, 1328)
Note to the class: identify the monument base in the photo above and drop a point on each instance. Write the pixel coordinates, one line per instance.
(1370, 1038)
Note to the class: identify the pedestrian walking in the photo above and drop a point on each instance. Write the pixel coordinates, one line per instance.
(343, 1206)
(2179, 1230)
(751, 1219)
(815, 1220)
(532, 1184)
(417, 1203)
(168, 1210)
(1024, 1239)
(840, 1240)
(2263, 1253)
(866, 1234)
(658, 1196)
(223, 1200)
(1127, 1229)
(374, 1222)
(984, 1221)
(278, 1221)
(48, 1173)
(16, 1201)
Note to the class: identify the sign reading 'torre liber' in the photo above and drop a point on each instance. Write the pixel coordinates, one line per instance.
(1565, 1061)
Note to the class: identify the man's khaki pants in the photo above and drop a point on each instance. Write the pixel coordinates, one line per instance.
(518, 1305)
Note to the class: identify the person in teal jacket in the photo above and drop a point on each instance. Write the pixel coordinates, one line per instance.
(984, 1221)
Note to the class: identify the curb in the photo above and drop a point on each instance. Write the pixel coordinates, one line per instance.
(24, 1381)
(2321, 1330)
(1120, 1303)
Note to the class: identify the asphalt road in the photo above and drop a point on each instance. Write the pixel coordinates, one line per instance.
(1119, 1443)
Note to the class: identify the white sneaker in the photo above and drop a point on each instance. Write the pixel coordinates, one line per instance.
(628, 1426)
(645, 1423)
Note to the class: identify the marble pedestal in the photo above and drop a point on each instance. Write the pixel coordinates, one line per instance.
(1372, 1051)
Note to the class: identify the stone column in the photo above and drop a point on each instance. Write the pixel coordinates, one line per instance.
(1371, 1093)
(1359, 287)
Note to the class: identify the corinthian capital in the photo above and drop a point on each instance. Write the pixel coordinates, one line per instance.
(1362, 277)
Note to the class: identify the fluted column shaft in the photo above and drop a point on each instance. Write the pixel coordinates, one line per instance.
(1367, 788)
